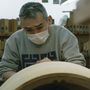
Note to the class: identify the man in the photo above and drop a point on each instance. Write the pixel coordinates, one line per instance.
(38, 39)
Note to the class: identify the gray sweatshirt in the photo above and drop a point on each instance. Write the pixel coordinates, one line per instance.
(20, 52)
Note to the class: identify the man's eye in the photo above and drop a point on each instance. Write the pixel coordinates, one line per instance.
(40, 27)
(28, 30)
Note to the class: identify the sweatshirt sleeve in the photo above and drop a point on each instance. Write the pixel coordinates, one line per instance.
(10, 58)
(70, 48)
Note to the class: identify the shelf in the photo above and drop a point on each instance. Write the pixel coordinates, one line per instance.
(4, 35)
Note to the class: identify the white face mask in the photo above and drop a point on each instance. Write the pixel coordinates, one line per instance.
(39, 38)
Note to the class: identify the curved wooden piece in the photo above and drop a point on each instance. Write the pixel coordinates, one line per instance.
(47, 72)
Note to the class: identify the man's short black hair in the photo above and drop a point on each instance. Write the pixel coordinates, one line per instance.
(30, 9)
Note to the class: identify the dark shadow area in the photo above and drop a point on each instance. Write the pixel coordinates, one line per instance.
(60, 86)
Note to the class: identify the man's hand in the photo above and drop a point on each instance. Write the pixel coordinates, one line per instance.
(44, 60)
(8, 74)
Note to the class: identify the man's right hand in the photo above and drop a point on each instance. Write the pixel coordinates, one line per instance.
(44, 60)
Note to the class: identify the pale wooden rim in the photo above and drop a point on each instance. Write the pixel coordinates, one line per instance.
(46, 68)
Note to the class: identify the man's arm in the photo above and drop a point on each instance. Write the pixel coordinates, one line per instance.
(10, 60)
(70, 49)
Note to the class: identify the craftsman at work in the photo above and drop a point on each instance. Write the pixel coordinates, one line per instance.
(38, 39)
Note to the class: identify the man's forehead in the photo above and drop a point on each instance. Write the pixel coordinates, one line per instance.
(32, 23)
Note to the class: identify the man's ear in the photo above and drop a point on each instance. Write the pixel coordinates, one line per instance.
(50, 20)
